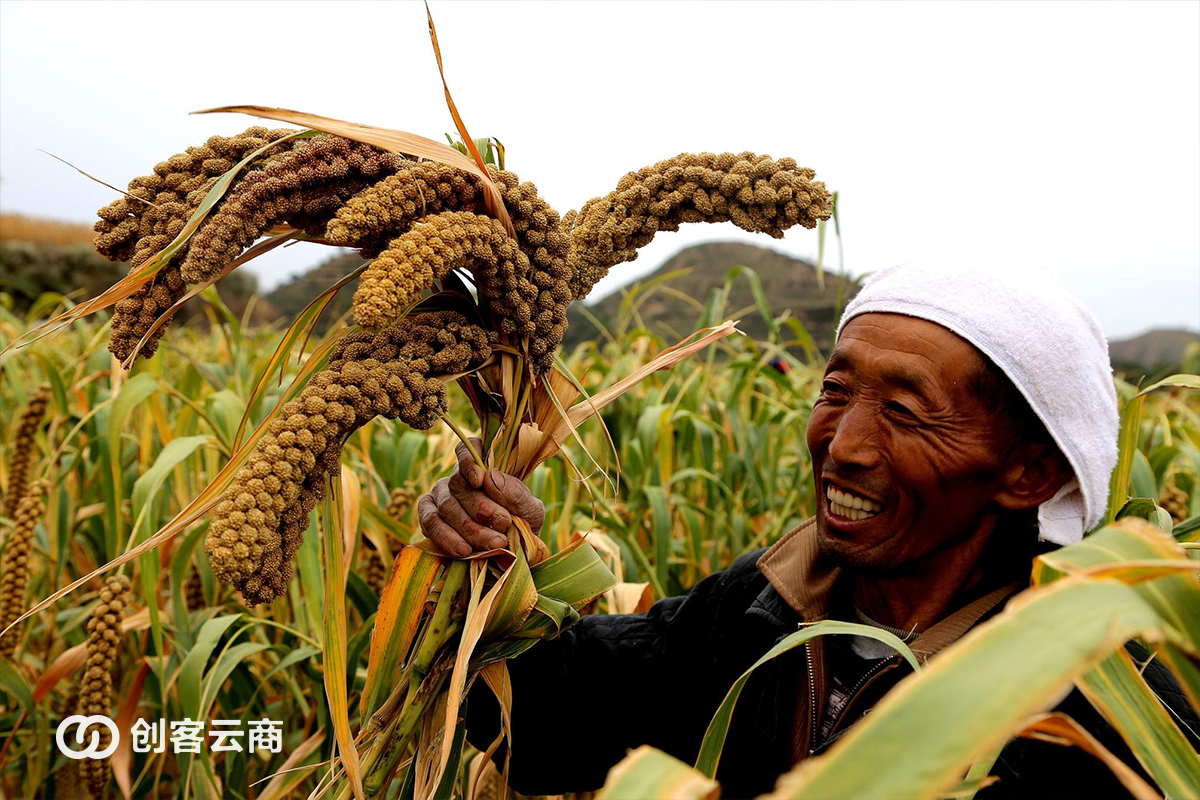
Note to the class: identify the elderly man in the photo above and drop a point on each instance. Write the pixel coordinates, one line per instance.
(945, 457)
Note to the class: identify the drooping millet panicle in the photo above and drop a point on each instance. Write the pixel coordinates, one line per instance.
(756, 193)
(14, 570)
(442, 242)
(392, 206)
(376, 575)
(528, 301)
(1175, 502)
(419, 191)
(193, 590)
(22, 449)
(542, 238)
(401, 500)
(95, 692)
(259, 523)
(310, 183)
(179, 186)
(134, 315)
(126, 221)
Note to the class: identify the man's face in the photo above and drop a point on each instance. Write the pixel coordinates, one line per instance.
(899, 429)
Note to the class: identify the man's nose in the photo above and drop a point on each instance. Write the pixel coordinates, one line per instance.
(856, 438)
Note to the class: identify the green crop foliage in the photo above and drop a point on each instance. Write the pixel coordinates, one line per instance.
(668, 493)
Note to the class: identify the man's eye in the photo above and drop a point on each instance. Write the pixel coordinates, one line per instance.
(900, 410)
(831, 388)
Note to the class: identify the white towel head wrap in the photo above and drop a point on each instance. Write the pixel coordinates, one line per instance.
(1048, 345)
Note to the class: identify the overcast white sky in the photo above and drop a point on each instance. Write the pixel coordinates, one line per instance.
(1060, 136)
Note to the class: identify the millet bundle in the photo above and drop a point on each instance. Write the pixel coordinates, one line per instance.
(95, 693)
(421, 220)
(258, 525)
(23, 445)
(756, 193)
(14, 570)
(135, 228)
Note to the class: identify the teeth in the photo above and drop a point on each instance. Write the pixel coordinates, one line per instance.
(844, 504)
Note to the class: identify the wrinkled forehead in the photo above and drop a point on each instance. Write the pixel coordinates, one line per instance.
(910, 351)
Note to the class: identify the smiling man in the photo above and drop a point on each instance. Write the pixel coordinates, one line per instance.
(965, 423)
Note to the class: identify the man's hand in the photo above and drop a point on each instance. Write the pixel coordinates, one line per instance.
(472, 509)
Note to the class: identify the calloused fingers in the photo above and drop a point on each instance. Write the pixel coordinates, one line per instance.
(514, 495)
(437, 531)
(466, 464)
(478, 505)
(453, 514)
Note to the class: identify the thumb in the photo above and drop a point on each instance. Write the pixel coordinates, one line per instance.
(512, 493)
(466, 464)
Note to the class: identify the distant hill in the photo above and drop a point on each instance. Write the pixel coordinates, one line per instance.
(39, 255)
(670, 310)
(787, 282)
(288, 299)
(1152, 350)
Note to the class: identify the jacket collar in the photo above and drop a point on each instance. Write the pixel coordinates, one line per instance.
(795, 569)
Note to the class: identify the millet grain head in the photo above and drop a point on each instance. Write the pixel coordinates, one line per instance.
(14, 569)
(95, 691)
(134, 231)
(24, 443)
(755, 192)
(259, 523)
(428, 251)
(304, 188)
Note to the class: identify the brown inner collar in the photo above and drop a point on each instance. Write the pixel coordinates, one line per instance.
(804, 579)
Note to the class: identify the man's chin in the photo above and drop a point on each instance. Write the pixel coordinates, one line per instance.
(840, 552)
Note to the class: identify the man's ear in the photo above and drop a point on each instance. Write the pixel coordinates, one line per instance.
(1033, 475)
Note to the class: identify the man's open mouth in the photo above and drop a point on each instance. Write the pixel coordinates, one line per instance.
(850, 506)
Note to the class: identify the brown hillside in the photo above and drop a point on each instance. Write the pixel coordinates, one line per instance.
(36, 230)
(1152, 349)
(788, 284)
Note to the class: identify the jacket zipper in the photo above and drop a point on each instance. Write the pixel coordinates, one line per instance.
(851, 695)
(812, 697)
(869, 673)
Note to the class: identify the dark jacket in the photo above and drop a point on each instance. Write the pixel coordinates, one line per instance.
(613, 682)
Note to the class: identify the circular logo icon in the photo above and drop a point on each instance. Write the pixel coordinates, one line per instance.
(81, 724)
